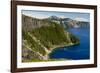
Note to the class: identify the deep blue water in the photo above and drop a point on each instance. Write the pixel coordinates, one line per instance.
(76, 52)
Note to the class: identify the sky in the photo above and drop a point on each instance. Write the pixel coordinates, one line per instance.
(46, 14)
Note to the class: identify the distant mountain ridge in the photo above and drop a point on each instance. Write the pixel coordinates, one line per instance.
(69, 23)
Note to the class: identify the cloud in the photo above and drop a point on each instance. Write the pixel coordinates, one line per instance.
(35, 14)
(80, 19)
(62, 16)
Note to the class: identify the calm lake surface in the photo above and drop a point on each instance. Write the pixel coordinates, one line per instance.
(77, 52)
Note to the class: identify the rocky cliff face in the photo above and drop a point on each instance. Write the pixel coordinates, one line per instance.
(30, 23)
(40, 36)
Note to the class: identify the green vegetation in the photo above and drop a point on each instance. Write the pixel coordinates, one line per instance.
(37, 60)
(33, 45)
(49, 36)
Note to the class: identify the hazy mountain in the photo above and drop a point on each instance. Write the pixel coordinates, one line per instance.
(80, 19)
(69, 23)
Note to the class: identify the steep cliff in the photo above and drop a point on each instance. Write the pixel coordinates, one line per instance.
(41, 36)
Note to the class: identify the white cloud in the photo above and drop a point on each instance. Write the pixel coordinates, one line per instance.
(35, 15)
(62, 16)
(80, 19)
